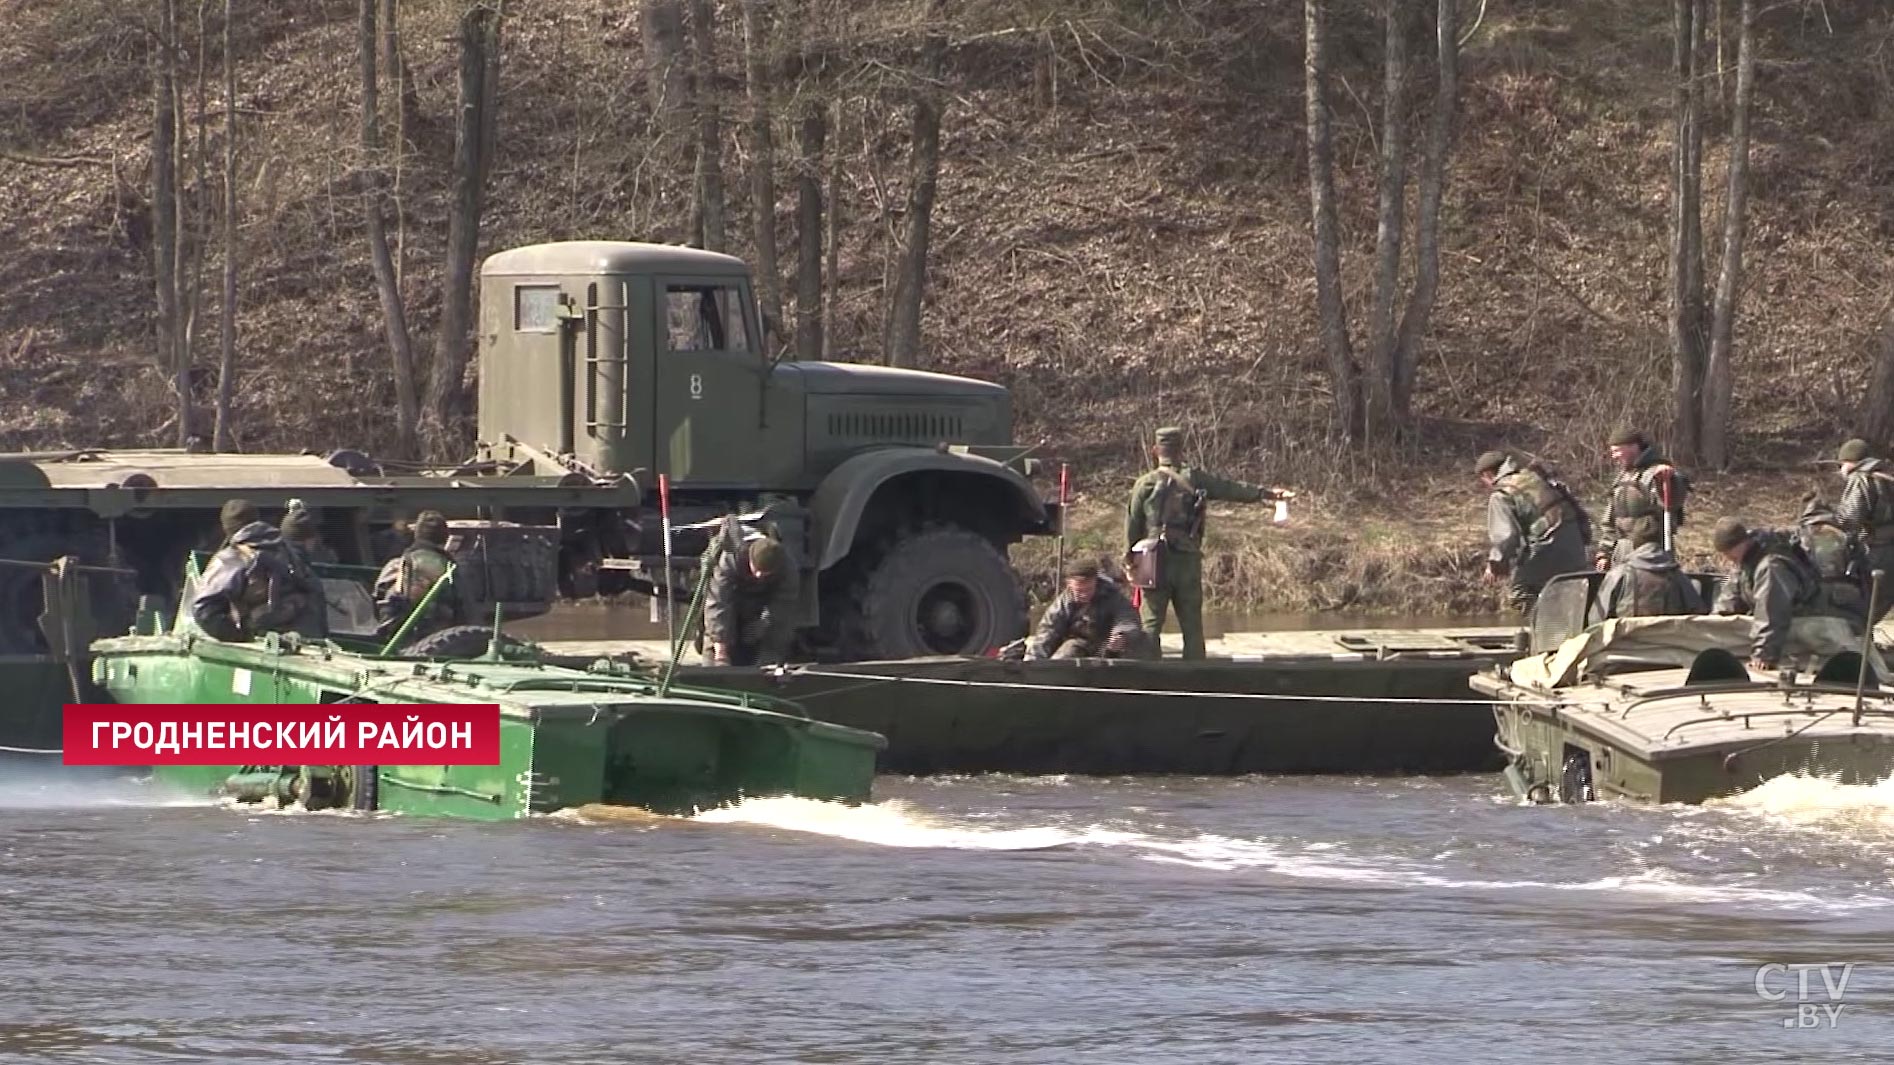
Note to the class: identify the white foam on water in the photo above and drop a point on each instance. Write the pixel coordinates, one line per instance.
(52, 788)
(1858, 812)
(893, 823)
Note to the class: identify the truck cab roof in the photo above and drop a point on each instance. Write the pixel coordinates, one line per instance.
(575, 257)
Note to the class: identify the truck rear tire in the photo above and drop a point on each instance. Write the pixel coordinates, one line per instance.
(939, 591)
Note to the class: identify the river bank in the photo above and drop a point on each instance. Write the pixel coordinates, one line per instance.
(1413, 549)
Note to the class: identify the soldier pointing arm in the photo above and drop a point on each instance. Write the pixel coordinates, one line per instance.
(1164, 525)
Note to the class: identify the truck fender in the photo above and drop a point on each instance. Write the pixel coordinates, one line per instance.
(844, 494)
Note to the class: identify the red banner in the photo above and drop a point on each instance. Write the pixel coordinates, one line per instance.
(282, 734)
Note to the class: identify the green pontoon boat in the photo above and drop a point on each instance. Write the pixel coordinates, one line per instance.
(568, 737)
(1664, 709)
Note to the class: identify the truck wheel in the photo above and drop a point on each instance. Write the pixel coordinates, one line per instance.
(463, 642)
(940, 591)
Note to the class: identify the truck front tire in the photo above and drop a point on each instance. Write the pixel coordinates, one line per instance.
(939, 591)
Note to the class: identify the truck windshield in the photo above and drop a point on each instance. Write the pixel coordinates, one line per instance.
(705, 318)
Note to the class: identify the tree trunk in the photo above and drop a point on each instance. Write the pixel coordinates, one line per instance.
(1392, 225)
(812, 132)
(1433, 184)
(757, 81)
(479, 38)
(910, 285)
(1344, 375)
(1719, 379)
(193, 235)
(408, 99)
(221, 434)
(1686, 231)
(164, 207)
(667, 78)
(710, 197)
(1877, 421)
(407, 403)
(832, 240)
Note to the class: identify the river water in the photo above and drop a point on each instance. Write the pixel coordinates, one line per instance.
(966, 919)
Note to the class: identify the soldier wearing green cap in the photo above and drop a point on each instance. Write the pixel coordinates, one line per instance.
(1645, 480)
(404, 582)
(1164, 525)
(1775, 582)
(750, 604)
(256, 583)
(1866, 511)
(1536, 529)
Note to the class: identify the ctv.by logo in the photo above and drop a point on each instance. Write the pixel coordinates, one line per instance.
(1815, 1003)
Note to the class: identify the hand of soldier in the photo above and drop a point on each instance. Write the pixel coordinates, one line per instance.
(1761, 666)
(1115, 642)
(1601, 563)
(1282, 493)
(713, 655)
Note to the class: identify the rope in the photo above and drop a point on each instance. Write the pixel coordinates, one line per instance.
(1078, 689)
(31, 750)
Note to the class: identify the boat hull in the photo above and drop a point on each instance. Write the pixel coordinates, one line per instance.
(671, 755)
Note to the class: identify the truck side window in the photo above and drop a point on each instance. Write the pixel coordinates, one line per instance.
(536, 308)
(704, 318)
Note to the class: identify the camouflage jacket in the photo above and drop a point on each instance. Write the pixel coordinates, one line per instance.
(1168, 502)
(1641, 487)
(1109, 612)
(1649, 583)
(743, 610)
(256, 583)
(1775, 585)
(405, 580)
(1536, 530)
(1867, 503)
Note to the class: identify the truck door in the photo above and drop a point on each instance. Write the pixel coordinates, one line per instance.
(709, 391)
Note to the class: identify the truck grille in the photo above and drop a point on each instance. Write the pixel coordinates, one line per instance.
(908, 426)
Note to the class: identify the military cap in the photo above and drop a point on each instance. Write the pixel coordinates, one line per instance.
(1628, 435)
(1728, 533)
(1489, 462)
(236, 514)
(1081, 569)
(1855, 450)
(430, 527)
(766, 556)
(1170, 436)
(298, 523)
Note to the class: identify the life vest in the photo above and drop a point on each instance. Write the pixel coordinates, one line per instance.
(274, 587)
(1654, 593)
(1789, 551)
(1537, 495)
(1836, 555)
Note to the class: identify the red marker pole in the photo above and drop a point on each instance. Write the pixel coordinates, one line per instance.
(664, 509)
(1065, 498)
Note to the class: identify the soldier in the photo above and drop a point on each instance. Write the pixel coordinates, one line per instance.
(1536, 528)
(1164, 523)
(1774, 583)
(1091, 618)
(1838, 555)
(750, 607)
(1649, 582)
(303, 532)
(1867, 511)
(257, 584)
(1643, 478)
(405, 579)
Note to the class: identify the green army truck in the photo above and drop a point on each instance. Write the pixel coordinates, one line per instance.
(898, 491)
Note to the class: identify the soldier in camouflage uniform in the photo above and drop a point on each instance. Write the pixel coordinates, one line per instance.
(1091, 618)
(1867, 511)
(750, 605)
(1774, 583)
(302, 531)
(1649, 582)
(1167, 507)
(256, 583)
(1644, 481)
(1537, 530)
(1838, 555)
(405, 580)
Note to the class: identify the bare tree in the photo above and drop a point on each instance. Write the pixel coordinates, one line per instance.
(221, 435)
(400, 346)
(1686, 229)
(1719, 372)
(1433, 183)
(903, 341)
(1344, 374)
(710, 197)
(1391, 225)
(479, 44)
(812, 131)
(1877, 417)
(667, 79)
(164, 206)
(758, 83)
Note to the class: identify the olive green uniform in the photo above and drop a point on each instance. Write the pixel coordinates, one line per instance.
(1161, 504)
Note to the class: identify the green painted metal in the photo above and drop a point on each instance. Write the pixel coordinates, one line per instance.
(567, 737)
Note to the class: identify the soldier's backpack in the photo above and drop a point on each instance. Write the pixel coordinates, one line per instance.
(1179, 505)
(1836, 554)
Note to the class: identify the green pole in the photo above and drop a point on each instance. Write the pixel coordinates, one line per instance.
(420, 607)
(690, 616)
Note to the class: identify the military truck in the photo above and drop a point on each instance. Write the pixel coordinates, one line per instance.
(897, 491)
